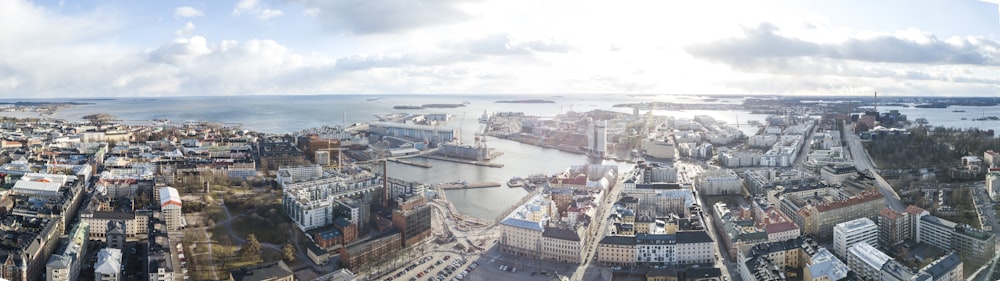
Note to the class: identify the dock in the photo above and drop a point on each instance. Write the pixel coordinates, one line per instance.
(411, 163)
(462, 185)
(463, 161)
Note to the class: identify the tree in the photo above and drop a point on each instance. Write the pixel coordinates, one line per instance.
(288, 251)
(251, 249)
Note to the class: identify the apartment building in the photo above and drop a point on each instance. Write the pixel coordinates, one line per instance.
(866, 261)
(974, 246)
(846, 234)
(896, 227)
(170, 208)
(719, 182)
(109, 265)
(819, 219)
(66, 265)
(617, 251)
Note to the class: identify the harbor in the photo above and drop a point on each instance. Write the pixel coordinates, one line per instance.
(466, 185)
(463, 161)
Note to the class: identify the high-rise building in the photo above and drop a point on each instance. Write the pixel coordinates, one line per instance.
(993, 185)
(896, 227)
(597, 138)
(847, 234)
(170, 208)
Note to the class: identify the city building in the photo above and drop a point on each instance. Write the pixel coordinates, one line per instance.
(413, 220)
(660, 148)
(115, 236)
(823, 266)
(363, 254)
(974, 246)
(109, 265)
(66, 265)
(431, 134)
(521, 231)
(789, 260)
(896, 227)
(136, 224)
(562, 245)
(993, 185)
(836, 174)
(817, 211)
(846, 234)
(866, 261)
(946, 268)
(719, 182)
(617, 250)
(597, 138)
(678, 248)
(275, 271)
(170, 208)
(311, 202)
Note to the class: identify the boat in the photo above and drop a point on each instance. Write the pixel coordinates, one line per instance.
(515, 182)
(958, 111)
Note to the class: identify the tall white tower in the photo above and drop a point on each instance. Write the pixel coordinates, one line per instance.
(597, 138)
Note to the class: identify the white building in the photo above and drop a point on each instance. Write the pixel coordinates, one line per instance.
(597, 138)
(846, 234)
(866, 261)
(311, 203)
(679, 248)
(660, 148)
(66, 265)
(521, 231)
(299, 173)
(170, 208)
(993, 185)
(109, 265)
(719, 182)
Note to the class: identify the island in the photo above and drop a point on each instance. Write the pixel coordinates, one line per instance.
(433, 105)
(524, 101)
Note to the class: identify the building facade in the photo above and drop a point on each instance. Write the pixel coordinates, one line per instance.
(846, 234)
(170, 208)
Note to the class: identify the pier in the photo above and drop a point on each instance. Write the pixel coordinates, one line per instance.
(462, 185)
(411, 163)
(470, 162)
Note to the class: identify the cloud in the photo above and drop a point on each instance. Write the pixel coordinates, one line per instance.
(250, 7)
(365, 17)
(187, 12)
(186, 30)
(503, 44)
(366, 62)
(763, 43)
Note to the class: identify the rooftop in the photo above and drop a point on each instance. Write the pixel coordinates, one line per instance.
(869, 255)
(854, 225)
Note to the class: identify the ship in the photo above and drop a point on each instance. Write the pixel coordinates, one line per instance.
(467, 152)
(515, 182)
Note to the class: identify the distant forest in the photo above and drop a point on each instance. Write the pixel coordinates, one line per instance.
(936, 148)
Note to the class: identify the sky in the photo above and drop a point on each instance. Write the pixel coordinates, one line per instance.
(146, 48)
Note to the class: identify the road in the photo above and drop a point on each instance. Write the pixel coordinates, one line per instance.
(597, 230)
(864, 162)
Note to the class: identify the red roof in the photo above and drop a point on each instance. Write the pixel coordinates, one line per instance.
(864, 197)
(914, 210)
(888, 213)
(781, 227)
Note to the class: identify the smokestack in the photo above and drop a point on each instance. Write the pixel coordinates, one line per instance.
(876, 101)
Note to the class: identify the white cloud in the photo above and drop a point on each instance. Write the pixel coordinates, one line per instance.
(251, 7)
(385, 16)
(186, 30)
(187, 12)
